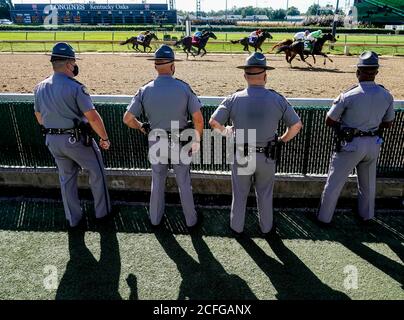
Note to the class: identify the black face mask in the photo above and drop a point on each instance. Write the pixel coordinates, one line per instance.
(75, 70)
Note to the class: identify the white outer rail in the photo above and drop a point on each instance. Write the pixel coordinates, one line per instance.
(213, 101)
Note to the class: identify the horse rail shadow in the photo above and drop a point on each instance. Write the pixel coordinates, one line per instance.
(43, 215)
(317, 69)
(200, 60)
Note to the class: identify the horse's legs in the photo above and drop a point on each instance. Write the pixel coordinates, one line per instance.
(260, 49)
(314, 58)
(292, 55)
(304, 60)
(204, 52)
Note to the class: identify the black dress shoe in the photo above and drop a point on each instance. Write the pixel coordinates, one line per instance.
(159, 225)
(197, 224)
(107, 218)
(313, 218)
(236, 234)
(271, 233)
(81, 226)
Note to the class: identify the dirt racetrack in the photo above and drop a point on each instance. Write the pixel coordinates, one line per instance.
(212, 75)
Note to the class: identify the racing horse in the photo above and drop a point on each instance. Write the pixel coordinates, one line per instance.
(145, 43)
(258, 43)
(188, 42)
(298, 48)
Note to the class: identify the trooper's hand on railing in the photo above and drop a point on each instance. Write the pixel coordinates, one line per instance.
(145, 128)
(196, 146)
(228, 131)
(105, 144)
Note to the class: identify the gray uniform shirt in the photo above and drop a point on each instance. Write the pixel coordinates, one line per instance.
(363, 107)
(164, 100)
(60, 100)
(256, 108)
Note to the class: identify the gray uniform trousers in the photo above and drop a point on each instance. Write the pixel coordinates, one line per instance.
(361, 153)
(69, 158)
(157, 197)
(264, 178)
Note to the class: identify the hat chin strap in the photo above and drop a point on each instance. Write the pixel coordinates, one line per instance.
(162, 63)
(254, 73)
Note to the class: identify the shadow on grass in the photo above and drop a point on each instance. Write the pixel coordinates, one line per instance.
(206, 279)
(29, 215)
(291, 278)
(86, 278)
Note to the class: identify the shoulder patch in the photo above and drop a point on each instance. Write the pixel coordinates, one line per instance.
(85, 90)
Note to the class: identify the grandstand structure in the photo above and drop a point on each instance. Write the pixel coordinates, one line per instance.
(96, 13)
(380, 11)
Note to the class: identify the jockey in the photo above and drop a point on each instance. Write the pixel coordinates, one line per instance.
(198, 35)
(313, 37)
(253, 37)
(143, 35)
(301, 36)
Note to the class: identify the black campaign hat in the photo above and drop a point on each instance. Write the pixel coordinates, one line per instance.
(368, 59)
(256, 60)
(164, 53)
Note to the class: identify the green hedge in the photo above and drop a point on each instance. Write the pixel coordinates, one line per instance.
(224, 28)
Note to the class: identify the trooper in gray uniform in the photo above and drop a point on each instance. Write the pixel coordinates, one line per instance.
(358, 115)
(260, 109)
(64, 109)
(164, 102)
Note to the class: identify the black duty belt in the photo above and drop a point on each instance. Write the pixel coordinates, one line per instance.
(359, 133)
(58, 131)
(261, 149)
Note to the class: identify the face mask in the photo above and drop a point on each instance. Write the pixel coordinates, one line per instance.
(76, 70)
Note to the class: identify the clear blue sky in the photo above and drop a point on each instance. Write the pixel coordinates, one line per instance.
(207, 5)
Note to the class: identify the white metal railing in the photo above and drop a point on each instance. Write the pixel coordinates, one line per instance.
(206, 100)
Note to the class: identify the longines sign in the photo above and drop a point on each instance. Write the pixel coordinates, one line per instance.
(90, 7)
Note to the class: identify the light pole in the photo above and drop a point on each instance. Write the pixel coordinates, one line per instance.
(334, 23)
(225, 12)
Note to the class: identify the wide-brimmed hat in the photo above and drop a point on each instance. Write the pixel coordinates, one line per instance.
(256, 60)
(368, 59)
(164, 53)
(63, 50)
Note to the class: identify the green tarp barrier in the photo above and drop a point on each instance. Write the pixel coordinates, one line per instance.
(22, 145)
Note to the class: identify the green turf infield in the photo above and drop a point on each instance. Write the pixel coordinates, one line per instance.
(367, 40)
(129, 260)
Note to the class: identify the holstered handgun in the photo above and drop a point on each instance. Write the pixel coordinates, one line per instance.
(83, 130)
(274, 149)
(343, 136)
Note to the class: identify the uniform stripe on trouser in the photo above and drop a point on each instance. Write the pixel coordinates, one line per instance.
(107, 202)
